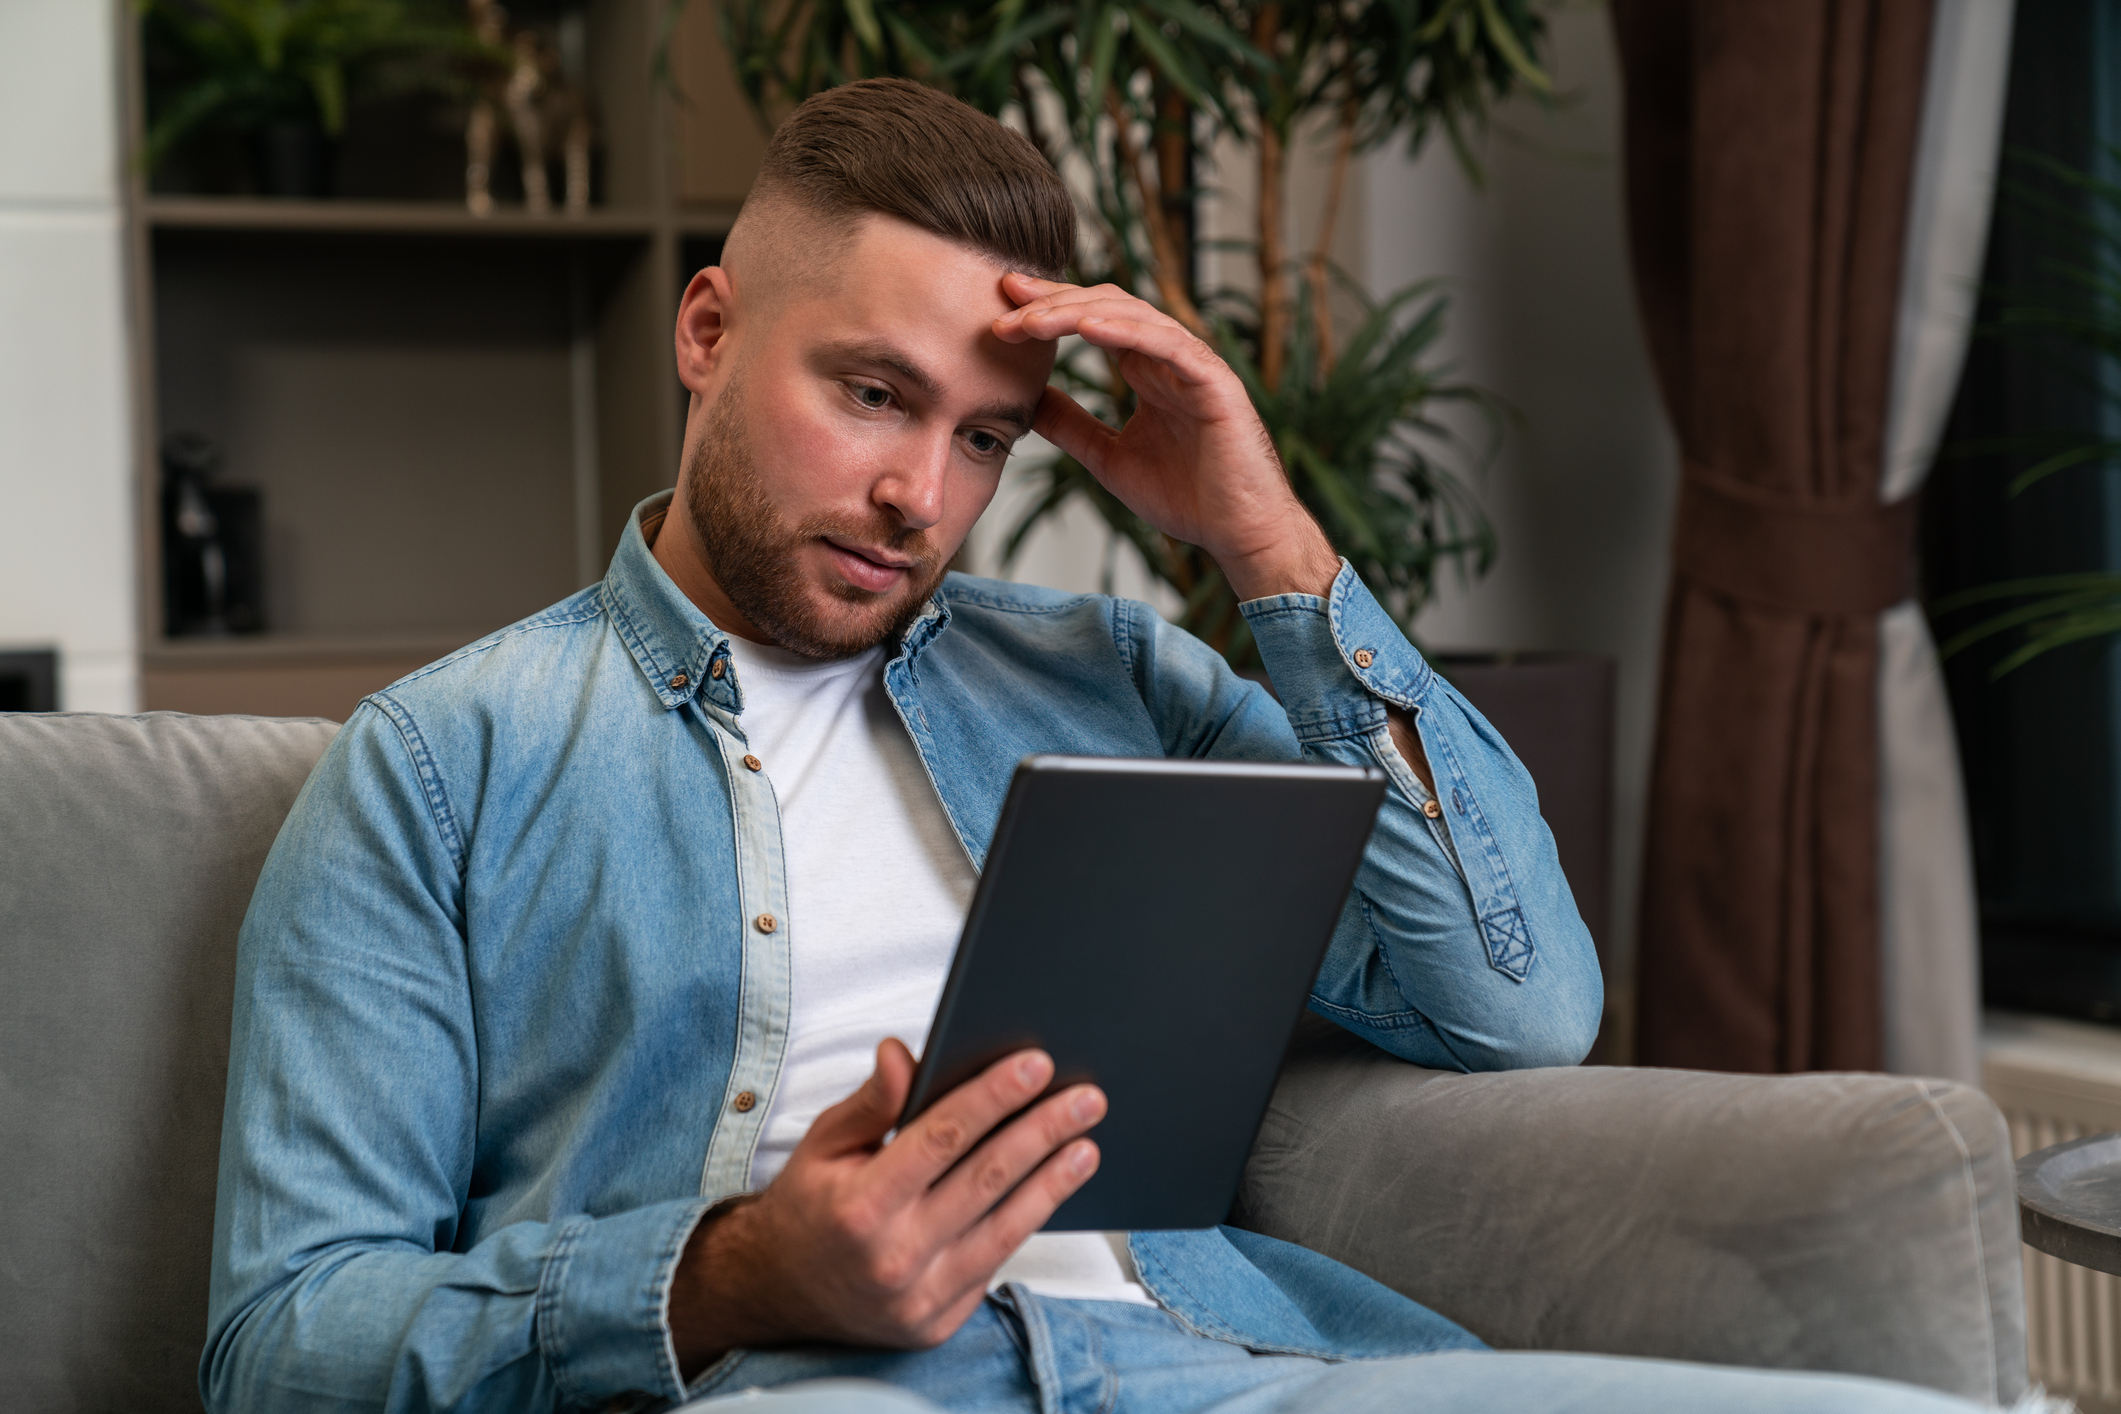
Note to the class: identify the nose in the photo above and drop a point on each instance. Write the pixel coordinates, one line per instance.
(913, 487)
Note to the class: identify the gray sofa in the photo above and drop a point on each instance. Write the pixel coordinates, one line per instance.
(1835, 1222)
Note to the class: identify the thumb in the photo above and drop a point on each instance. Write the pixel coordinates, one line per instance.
(1065, 423)
(863, 1119)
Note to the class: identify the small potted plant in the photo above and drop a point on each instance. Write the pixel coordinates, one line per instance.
(280, 75)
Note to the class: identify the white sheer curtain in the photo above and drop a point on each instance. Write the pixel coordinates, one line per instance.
(1926, 875)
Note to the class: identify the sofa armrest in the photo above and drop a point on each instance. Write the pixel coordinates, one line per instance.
(1865, 1224)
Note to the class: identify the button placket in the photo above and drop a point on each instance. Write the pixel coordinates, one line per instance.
(762, 1023)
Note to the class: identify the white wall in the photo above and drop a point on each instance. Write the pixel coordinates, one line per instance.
(66, 509)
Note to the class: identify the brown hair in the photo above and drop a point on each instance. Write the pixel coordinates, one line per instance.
(897, 147)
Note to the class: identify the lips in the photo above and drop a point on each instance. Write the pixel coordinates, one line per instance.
(866, 567)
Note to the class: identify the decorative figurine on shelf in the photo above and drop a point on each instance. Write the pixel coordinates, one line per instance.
(211, 546)
(541, 89)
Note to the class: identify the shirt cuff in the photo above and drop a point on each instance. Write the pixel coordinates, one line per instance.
(1336, 660)
(603, 1302)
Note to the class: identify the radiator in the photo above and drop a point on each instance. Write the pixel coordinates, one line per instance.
(2057, 1080)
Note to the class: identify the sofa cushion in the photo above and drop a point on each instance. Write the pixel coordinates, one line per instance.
(128, 850)
(1862, 1224)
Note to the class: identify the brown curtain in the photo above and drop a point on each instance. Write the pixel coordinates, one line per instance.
(1770, 147)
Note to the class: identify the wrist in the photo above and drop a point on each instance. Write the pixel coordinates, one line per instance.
(1299, 560)
(715, 1303)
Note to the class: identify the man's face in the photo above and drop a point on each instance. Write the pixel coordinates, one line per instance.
(851, 434)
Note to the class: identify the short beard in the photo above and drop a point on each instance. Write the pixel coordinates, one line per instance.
(751, 551)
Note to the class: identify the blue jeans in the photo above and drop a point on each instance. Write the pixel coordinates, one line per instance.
(1026, 1354)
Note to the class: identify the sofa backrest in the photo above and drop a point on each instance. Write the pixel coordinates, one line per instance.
(128, 850)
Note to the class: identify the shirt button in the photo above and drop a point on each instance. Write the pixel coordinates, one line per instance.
(766, 922)
(1431, 809)
(716, 668)
(679, 679)
(744, 1101)
(1364, 657)
(754, 763)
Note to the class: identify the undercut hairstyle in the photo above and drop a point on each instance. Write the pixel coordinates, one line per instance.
(902, 149)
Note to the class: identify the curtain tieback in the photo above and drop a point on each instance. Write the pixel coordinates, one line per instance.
(1816, 559)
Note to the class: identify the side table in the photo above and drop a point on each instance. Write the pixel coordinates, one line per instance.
(2069, 1201)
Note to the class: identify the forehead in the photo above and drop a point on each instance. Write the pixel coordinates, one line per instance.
(935, 301)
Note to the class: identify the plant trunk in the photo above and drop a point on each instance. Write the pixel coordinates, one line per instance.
(1321, 290)
(1273, 279)
(1174, 179)
(1171, 268)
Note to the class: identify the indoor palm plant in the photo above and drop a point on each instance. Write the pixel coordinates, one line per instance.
(1124, 97)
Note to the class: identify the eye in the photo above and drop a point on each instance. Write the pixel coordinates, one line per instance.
(869, 395)
(986, 443)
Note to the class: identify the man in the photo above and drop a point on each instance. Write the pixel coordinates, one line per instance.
(578, 997)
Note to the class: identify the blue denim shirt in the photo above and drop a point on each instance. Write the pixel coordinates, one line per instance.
(504, 1028)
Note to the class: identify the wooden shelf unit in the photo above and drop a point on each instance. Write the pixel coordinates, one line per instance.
(448, 416)
(412, 218)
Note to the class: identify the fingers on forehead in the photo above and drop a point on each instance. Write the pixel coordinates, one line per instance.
(1030, 287)
(1065, 296)
(1103, 307)
(1163, 339)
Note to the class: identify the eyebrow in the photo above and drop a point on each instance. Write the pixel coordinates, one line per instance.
(884, 354)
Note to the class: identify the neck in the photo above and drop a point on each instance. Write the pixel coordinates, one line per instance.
(675, 542)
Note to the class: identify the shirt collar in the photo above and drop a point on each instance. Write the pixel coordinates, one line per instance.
(935, 617)
(677, 648)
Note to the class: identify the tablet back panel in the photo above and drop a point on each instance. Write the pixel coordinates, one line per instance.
(1155, 926)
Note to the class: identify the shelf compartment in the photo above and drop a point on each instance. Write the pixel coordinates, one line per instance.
(429, 422)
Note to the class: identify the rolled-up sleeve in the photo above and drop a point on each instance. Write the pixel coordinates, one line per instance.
(1461, 946)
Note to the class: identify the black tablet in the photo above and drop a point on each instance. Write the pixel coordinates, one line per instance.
(1155, 926)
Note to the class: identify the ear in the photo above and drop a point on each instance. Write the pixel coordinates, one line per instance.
(703, 326)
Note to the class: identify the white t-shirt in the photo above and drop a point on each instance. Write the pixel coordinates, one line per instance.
(878, 887)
